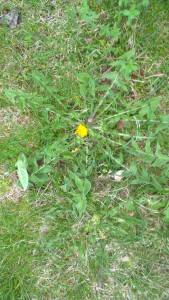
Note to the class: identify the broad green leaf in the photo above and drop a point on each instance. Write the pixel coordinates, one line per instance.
(71, 174)
(161, 127)
(82, 168)
(117, 231)
(44, 170)
(76, 197)
(39, 179)
(11, 94)
(83, 91)
(86, 84)
(156, 205)
(133, 169)
(166, 212)
(147, 159)
(149, 155)
(154, 103)
(22, 161)
(158, 150)
(90, 169)
(79, 183)
(83, 185)
(130, 220)
(129, 205)
(127, 55)
(144, 174)
(143, 178)
(116, 32)
(105, 30)
(145, 3)
(111, 75)
(86, 13)
(81, 204)
(144, 110)
(86, 187)
(21, 165)
(123, 2)
(40, 78)
(112, 212)
(165, 119)
(35, 165)
(135, 145)
(20, 96)
(82, 77)
(156, 183)
(23, 177)
(148, 148)
(161, 161)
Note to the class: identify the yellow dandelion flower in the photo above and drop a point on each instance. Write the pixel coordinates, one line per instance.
(81, 130)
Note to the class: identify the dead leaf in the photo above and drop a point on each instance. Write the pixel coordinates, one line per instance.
(120, 124)
(105, 69)
(4, 11)
(134, 93)
(88, 40)
(118, 175)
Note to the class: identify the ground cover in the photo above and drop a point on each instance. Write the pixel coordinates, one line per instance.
(84, 210)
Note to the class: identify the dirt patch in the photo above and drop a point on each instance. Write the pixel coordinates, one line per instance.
(9, 189)
(11, 117)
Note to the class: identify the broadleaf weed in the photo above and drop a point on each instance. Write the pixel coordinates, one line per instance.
(87, 124)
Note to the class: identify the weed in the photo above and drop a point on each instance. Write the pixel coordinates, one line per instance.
(93, 223)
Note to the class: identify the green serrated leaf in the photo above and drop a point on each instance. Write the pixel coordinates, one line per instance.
(133, 169)
(159, 162)
(162, 159)
(135, 145)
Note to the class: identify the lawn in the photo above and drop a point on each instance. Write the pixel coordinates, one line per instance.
(84, 144)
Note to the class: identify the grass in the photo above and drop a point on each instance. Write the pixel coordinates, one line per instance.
(82, 230)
